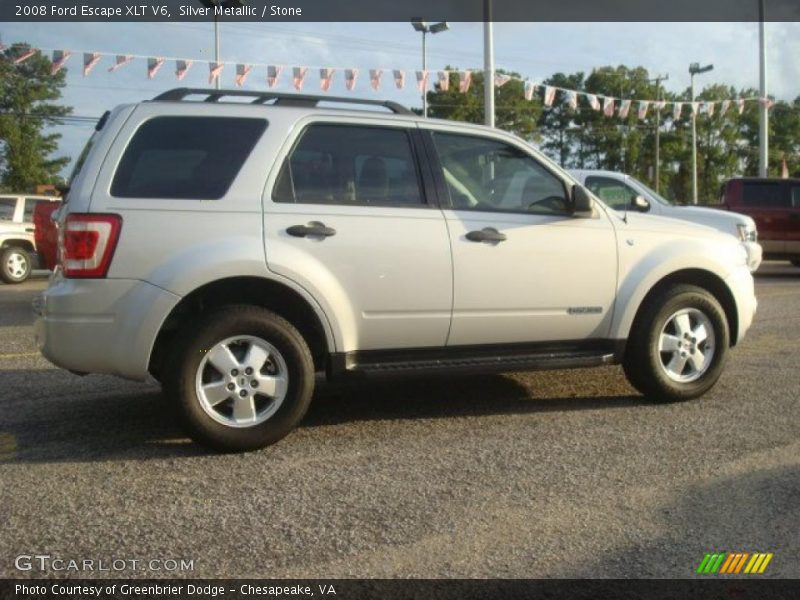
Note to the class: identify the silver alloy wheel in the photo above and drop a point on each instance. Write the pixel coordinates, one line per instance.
(16, 265)
(242, 381)
(686, 345)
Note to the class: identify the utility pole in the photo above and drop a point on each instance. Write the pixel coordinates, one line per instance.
(695, 69)
(658, 79)
(488, 64)
(763, 108)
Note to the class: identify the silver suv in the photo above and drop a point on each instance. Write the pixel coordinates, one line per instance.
(234, 249)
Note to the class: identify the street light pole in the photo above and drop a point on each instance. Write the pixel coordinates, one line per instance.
(695, 69)
(488, 65)
(763, 109)
(421, 26)
(213, 4)
(658, 79)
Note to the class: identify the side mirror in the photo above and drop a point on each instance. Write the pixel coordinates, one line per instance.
(581, 202)
(641, 204)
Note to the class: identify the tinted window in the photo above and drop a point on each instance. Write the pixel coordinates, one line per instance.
(345, 164)
(614, 193)
(483, 174)
(30, 204)
(185, 157)
(7, 207)
(763, 194)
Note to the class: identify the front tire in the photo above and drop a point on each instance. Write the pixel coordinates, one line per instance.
(243, 378)
(15, 264)
(678, 345)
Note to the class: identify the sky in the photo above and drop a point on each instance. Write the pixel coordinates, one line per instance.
(536, 50)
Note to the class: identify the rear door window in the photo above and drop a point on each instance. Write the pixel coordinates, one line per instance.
(351, 164)
(185, 157)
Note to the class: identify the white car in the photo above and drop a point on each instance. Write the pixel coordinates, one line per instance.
(18, 256)
(232, 250)
(623, 192)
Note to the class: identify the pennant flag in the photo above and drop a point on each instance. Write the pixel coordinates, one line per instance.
(659, 105)
(608, 106)
(153, 65)
(500, 79)
(726, 104)
(2, 46)
(464, 81)
(375, 78)
(214, 71)
(273, 74)
(422, 80)
(593, 101)
(181, 68)
(695, 109)
(677, 109)
(624, 108)
(242, 71)
(26, 54)
(350, 76)
(710, 108)
(549, 95)
(59, 58)
(784, 170)
(572, 99)
(325, 78)
(443, 80)
(90, 59)
(642, 112)
(298, 77)
(766, 103)
(399, 79)
(119, 61)
(740, 105)
(530, 87)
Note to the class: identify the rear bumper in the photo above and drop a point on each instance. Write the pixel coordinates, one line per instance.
(100, 325)
(742, 285)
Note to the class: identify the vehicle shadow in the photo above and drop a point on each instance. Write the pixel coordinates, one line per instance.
(91, 424)
(752, 511)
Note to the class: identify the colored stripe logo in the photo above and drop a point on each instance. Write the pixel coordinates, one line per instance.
(734, 563)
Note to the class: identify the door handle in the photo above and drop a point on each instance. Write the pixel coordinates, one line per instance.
(313, 229)
(29, 229)
(487, 234)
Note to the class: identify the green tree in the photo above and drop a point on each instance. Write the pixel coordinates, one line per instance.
(28, 95)
(512, 112)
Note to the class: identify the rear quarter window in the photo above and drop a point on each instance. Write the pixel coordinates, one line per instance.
(185, 157)
(7, 208)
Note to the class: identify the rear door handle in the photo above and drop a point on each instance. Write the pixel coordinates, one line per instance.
(29, 229)
(313, 229)
(487, 234)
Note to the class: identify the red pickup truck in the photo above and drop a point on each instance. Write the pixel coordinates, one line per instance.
(774, 204)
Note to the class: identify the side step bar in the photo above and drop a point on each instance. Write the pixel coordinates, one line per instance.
(357, 365)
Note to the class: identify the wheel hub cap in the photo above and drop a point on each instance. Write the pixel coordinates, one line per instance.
(686, 345)
(241, 381)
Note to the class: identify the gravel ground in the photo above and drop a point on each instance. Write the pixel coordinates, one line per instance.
(547, 474)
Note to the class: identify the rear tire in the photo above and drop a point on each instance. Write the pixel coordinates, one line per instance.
(678, 345)
(242, 378)
(15, 264)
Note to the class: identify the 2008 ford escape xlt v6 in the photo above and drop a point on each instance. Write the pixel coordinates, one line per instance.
(232, 250)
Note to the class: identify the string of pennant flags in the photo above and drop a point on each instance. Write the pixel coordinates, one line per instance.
(297, 75)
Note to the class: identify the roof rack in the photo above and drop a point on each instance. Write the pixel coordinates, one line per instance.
(279, 98)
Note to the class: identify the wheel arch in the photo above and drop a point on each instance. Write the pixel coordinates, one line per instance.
(258, 291)
(707, 280)
(17, 243)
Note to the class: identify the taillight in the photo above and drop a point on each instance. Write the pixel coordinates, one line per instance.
(87, 244)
